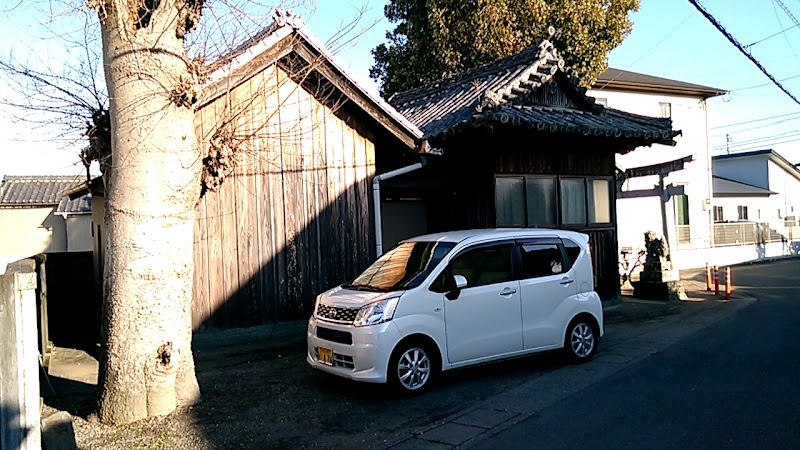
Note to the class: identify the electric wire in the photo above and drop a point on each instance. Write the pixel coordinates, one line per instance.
(741, 48)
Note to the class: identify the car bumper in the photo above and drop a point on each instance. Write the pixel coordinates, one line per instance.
(365, 359)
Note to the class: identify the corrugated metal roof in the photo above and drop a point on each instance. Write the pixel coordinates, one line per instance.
(42, 190)
(80, 205)
(623, 79)
(497, 91)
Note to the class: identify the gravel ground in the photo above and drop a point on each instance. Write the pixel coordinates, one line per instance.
(272, 399)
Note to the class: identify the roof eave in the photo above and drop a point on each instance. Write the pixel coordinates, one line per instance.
(413, 135)
(657, 89)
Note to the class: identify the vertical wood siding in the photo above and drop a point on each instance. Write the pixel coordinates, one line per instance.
(294, 217)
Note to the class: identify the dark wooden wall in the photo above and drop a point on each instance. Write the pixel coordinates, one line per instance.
(294, 218)
(472, 160)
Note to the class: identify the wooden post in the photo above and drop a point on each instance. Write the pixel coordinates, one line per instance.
(664, 199)
(727, 283)
(716, 280)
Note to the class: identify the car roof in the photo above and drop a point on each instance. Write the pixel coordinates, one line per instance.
(493, 233)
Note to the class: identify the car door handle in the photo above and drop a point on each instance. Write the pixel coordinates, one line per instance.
(565, 281)
(508, 291)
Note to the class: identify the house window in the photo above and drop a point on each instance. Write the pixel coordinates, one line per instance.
(780, 216)
(718, 217)
(681, 203)
(742, 210)
(665, 110)
(539, 201)
(509, 196)
(573, 201)
(601, 101)
(599, 194)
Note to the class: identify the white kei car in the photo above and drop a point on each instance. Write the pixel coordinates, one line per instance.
(455, 299)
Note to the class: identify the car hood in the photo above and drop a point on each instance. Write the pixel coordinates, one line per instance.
(350, 298)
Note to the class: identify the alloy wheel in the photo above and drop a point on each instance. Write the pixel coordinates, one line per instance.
(582, 340)
(413, 368)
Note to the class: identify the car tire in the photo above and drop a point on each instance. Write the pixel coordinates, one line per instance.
(580, 341)
(412, 367)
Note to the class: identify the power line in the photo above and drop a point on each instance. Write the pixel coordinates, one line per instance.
(759, 141)
(791, 16)
(787, 11)
(765, 84)
(770, 36)
(758, 146)
(759, 127)
(739, 46)
(746, 122)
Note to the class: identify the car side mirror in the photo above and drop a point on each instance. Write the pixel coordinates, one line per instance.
(457, 283)
(460, 281)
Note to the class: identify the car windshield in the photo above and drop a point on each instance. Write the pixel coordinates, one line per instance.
(403, 267)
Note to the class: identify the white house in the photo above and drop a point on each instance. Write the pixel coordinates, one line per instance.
(688, 213)
(757, 187)
(761, 169)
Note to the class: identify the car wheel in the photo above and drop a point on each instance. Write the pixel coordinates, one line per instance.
(412, 367)
(580, 343)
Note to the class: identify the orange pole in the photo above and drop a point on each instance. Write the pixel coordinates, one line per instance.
(716, 280)
(728, 282)
(708, 277)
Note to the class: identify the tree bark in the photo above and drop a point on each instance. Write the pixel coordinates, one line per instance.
(147, 367)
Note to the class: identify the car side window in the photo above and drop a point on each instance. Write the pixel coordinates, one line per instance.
(484, 265)
(540, 260)
(573, 251)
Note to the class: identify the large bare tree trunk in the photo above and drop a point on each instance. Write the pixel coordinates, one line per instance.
(151, 192)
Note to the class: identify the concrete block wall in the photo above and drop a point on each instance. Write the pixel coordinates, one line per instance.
(19, 352)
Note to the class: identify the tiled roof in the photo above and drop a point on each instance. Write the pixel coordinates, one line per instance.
(81, 205)
(610, 123)
(497, 91)
(35, 190)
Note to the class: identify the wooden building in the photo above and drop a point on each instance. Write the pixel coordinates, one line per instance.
(293, 218)
(521, 145)
(294, 139)
(302, 150)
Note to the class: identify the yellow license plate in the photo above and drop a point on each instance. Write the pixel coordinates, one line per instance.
(325, 355)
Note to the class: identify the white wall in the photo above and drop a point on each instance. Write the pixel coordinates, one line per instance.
(759, 209)
(747, 169)
(635, 216)
(79, 232)
(25, 232)
(735, 254)
(788, 188)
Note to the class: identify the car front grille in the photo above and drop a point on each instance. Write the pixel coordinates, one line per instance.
(341, 337)
(337, 314)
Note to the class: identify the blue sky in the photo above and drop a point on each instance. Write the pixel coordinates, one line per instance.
(670, 39)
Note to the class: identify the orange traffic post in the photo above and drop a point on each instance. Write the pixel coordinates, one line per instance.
(716, 280)
(728, 282)
(708, 277)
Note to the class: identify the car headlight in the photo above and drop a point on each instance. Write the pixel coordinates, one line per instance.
(377, 312)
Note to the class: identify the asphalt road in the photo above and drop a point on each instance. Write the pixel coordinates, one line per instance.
(736, 384)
